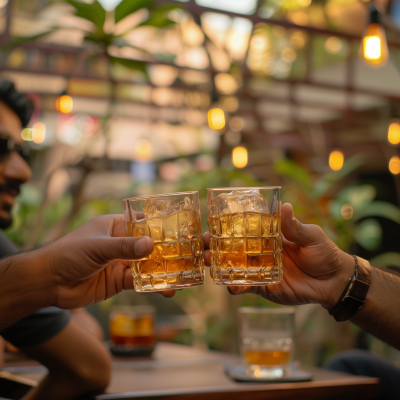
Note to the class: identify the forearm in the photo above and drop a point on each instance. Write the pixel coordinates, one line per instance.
(22, 287)
(380, 313)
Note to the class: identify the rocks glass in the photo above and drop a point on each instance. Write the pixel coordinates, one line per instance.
(173, 222)
(246, 239)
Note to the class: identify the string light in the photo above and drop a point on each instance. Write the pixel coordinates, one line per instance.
(336, 160)
(38, 132)
(64, 104)
(143, 150)
(394, 165)
(239, 157)
(216, 118)
(394, 133)
(374, 50)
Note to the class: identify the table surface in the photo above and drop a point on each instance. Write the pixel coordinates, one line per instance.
(177, 372)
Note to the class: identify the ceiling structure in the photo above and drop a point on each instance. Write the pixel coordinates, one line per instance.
(286, 73)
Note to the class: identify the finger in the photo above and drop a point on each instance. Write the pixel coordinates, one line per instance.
(206, 240)
(120, 248)
(207, 257)
(289, 245)
(235, 290)
(296, 232)
(128, 280)
(275, 289)
(168, 293)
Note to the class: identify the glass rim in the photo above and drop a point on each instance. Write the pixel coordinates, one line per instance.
(245, 188)
(267, 310)
(138, 198)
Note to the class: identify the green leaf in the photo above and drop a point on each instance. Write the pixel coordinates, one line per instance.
(127, 7)
(131, 64)
(381, 209)
(21, 40)
(92, 12)
(291, 170)
(326, 182)
(390, 259)
(158, 18)
(368, 234)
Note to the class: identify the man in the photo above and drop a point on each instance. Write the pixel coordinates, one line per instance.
(317, 271)
(76, 359)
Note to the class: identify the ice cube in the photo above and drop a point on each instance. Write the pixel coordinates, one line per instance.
(164, 208)
(239, 202)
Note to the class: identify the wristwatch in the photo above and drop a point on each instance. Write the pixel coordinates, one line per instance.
(355, 292)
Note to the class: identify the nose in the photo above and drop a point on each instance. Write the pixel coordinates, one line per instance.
(17, 169)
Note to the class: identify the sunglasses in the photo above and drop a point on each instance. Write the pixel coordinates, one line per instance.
(7, 146)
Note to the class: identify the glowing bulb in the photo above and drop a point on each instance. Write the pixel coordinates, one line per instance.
(143, 150)
(64, 104)
(38, 132)
(394, 165)
(26, 134)
(336, 160)
(347, 211)
(239, 157)
(394, 133)
(373, 49)
(216, 118)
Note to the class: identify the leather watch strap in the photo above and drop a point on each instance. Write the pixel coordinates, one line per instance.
(353, 296)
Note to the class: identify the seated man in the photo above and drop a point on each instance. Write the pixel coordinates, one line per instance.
(315, 270)
(69, 347)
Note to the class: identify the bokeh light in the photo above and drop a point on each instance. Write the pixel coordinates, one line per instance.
(394, 165)
(26, 134)
(216, 118)
(38, 132)
(236, 124)
(336, 160)
(394, 133)
(64, 104)
(239, 157)
(347, 211)
(333, 45)
(143, 150)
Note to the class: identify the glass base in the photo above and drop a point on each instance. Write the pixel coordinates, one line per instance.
(166, 286)
(245, 283)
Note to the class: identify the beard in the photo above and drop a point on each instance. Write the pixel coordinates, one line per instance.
(4, 221)
(5, 213)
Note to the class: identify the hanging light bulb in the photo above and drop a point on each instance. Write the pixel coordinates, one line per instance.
(374, 50)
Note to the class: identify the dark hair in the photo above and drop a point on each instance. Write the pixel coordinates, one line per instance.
(18, 102)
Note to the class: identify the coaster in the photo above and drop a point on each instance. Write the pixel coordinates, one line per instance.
(129, 351)
(255, 373)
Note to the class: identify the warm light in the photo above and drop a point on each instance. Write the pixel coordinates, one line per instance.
(373, 49)
(64, 104)
(236, 124)
(288, 55)
(192, 35)
(38, 132)
(239, 157)
(336, 160)
(346, 211)
(394, 133)
(26, 134)
(304, 3)
(333, 44)
(394, 165)
(143, 150)
(226, 83)
(216, 118)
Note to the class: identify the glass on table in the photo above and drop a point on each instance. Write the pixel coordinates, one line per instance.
(173, 222)
(246, 238)
(132, 327)
(266, 338)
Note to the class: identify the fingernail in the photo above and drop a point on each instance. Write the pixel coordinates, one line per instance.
(142, 246)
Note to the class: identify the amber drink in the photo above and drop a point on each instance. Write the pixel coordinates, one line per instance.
(173, 222)
(266, 336)
(246, 239)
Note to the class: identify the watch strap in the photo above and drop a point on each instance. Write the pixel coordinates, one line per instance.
(355, 292)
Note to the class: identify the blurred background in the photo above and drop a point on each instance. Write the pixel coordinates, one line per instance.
(138, 97)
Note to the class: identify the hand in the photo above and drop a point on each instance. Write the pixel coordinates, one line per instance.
(90, 264)
(315, 270)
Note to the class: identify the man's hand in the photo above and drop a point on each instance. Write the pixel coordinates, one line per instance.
(90, 264)
(315, 270)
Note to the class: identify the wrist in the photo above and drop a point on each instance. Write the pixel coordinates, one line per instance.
(340, 280)
(23, 287)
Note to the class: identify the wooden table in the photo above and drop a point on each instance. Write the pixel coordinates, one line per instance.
(178, 372)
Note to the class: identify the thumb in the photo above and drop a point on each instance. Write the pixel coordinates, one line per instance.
(296, 232)
(125, 248)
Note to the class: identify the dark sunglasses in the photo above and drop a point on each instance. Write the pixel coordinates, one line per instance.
(7, 146)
